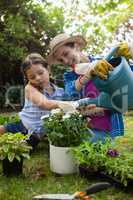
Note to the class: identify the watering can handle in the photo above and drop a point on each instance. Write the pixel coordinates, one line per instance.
(111, 53)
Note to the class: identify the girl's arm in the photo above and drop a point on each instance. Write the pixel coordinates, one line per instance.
(39, 99)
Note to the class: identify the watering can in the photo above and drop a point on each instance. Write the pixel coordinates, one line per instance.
(117, 90)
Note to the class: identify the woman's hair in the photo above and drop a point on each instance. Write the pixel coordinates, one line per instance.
(83, 58)
(32, 59)
(70, 44)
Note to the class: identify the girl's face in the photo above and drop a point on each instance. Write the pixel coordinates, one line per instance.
(67, 55)
(38, 76)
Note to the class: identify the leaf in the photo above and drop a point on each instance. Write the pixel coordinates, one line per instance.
(18, 158)
(6, 148)
(11, 156)
(26, 155)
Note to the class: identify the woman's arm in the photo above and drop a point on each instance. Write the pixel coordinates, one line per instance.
(70, 86)
(39, 99)
(99, 68)
(82, 80)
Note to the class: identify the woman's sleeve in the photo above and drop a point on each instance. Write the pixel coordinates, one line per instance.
(117, 124)
(69, 83)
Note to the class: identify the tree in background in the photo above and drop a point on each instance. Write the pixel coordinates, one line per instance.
(97, 20)
(25, 26)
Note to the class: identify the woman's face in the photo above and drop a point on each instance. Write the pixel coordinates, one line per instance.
(38, 76)
(67, 55)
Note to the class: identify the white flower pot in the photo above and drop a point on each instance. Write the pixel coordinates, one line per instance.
(61, 160)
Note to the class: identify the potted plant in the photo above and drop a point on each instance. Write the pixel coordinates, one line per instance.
(13, 148)
(64, 131)
(110, 160)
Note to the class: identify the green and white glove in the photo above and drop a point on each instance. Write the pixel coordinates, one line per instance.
(73, 106)
(68, 106)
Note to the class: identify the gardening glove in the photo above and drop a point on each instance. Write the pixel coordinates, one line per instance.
(125, 49)
(100, 68)
(68, 106)
(72, 106)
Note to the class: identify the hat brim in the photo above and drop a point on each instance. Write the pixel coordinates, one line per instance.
(78, 39)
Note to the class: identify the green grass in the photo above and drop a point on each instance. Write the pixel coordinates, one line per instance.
(38, 179)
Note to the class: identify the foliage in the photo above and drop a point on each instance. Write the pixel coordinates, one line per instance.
(58, 74)
(4, 119)
(92, 155)
(2, 97)
(14, 146)
(65, 130)
(98, 21)
(98, 156)
(25, 26)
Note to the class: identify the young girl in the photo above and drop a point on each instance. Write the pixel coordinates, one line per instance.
(66, 50)
(40, 97)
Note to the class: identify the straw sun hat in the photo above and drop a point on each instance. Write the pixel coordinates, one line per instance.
(61, 40)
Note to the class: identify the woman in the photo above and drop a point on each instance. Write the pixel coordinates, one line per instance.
(66, 50)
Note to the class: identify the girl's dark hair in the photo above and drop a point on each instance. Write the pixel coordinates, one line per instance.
(31, 59)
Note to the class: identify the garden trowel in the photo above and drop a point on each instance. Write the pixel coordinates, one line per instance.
(81, 195)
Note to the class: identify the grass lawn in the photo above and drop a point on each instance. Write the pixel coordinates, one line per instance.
(37, 178)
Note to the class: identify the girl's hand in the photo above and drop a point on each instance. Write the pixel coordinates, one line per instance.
(72, 106)
(68, 106)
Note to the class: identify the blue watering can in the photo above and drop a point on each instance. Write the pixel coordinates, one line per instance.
(117, 90)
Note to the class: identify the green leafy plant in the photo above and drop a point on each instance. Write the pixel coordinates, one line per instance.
(109, 157)
(65, 130)
(14, 118)
(92, 155)
(14, 146)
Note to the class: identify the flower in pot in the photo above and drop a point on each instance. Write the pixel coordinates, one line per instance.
(64, 131)
(13, 148)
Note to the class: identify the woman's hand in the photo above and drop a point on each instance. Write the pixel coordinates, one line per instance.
(125, 49)
(102, 69)
(91, 111)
